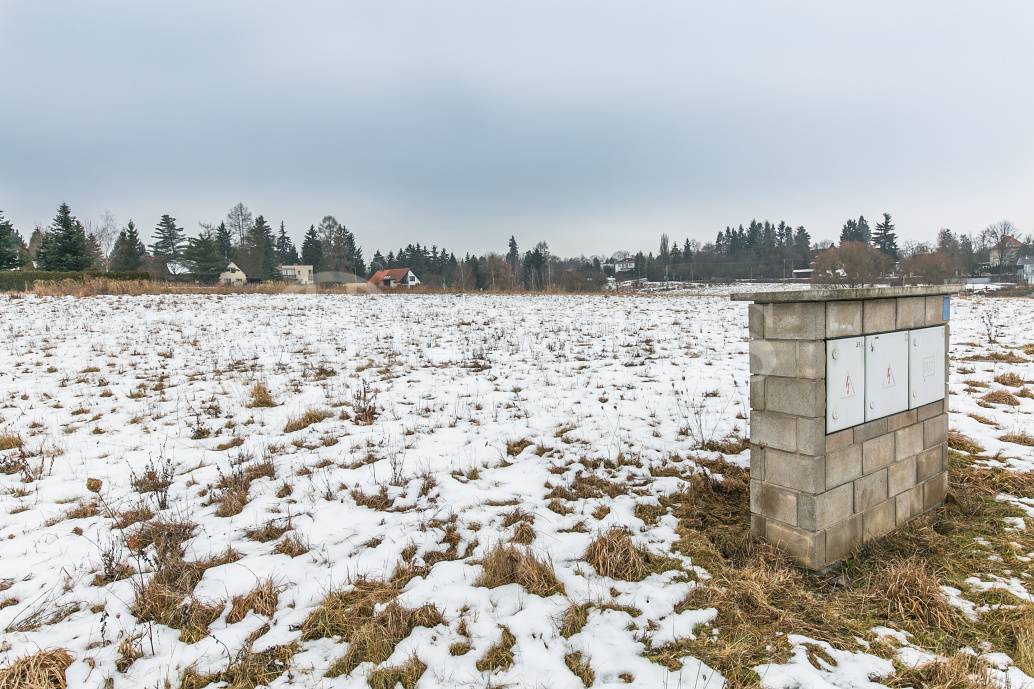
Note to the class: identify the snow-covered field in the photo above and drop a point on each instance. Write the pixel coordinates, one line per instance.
(442, 427)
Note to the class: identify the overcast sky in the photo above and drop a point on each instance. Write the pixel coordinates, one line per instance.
(594, 126)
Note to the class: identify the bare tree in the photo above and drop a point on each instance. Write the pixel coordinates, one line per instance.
(239, 221)
(1000, 239)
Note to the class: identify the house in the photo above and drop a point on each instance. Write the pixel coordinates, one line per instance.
(620, 265)
(1026, 269)
(1010, 247)
(393, 277)
(297, 274)
(233, 276)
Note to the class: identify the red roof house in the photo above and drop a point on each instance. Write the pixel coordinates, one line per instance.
(393, 277)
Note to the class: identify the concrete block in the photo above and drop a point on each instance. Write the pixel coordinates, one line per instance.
(870, 490)
(908, 441)
(839, 440)
(811, 359)
(774, 430)
(870, 430)
(808, 547)
(791, 470)
(935, 490)
(844, 538)
(843, 466)
(756, 320)
(773, 358)
(757, 526)
(795, 321)
(879, 315)
(773, 502)
(843, 318)
(795, 396)
(757, 462)
(902, 419)
(935, 431)
(911, 313)
(901, 476)
(816, 512)
(908, 504)
(877, 453)
(928, 411)
(811, 435)
(757, 393)
(879, 520)
(929, 463)
(934, 310)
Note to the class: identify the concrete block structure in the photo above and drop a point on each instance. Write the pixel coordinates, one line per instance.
(849, 423)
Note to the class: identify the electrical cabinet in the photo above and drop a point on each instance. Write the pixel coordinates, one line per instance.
(845, 379)
(886, 374)
(926, 366)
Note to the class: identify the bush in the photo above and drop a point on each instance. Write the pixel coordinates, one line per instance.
(22, 280)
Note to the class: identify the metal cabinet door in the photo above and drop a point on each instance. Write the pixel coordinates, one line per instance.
(886, 374)
(926, 366)
(845, 383)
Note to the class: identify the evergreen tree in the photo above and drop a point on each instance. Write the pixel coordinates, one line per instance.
(884, 238)
(259, 251)
(286, 253)
(168, 237)
(377, 262)
(312, 250)
(513, 259)
(36, 241)
(11, 246)
(93, 247)
(224, 238)
(128, 252)
(863, 230)
(204, 257)
(64, 245)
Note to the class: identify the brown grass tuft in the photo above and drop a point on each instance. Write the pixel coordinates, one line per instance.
(309, 417)
(574, 618)
(960, 671)
(407, 674)
(579, 665)
(1020, 438)
(500, 655)
(1009, 379)
(260, 396)
(614, 554)
(10, 441)
(909, 592)
(523, 534)
(1001, 397)
(292, 545)
(41, 670)
(963, 443)
(262, 600)
(506, 564)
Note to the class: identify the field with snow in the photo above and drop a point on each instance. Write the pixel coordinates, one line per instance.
(460, 491)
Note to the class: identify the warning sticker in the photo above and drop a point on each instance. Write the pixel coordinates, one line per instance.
(848, 389)
(888, 378)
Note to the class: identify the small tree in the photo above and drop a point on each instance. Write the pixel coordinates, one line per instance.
(852, 264)
(128, 252)
(224, 238)
(884, 238)
(64, 245)
(168, 237)
(12, 249)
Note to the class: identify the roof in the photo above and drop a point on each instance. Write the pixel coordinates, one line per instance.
(394, 274)
(1012, 242)
(231, 267)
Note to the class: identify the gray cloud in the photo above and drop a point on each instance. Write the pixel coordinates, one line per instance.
(593, 125)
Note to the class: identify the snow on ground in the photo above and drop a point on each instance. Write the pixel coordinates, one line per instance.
(482, 407)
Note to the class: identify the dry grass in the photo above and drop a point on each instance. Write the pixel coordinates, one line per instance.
(91, 287)
(248, 670)
(41, 670)
(614, 554)
(732, 445)
(960, 671)
(963, 443)
(1009, 379)
(262, 600)
(10, 441)
(574, 618)
(352, 614)
(233, 487)
(909, 592)
(407, 674)
(309, 417)
(260, 396)
(292, 545)
(1001, 397)
(506, 564)
(523, 534)
(579, 665)
(1020, 438)
(500, 655)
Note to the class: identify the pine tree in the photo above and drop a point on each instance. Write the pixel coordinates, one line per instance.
(377, 262)
(168, 239)
(286, 253)
(128, 252)
(204, 257)
(863, 230)
(224, 238)
(513, 259)
(312, 250)
(93, 247)
(258, 254)
(64, 245)
(884, 238)
(11, 246)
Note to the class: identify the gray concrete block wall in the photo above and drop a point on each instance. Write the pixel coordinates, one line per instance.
(819, 496)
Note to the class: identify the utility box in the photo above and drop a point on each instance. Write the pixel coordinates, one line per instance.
(849, 423)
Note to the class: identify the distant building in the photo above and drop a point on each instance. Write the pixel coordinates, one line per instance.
(232, 276)
(1026, 269)
(297, 274)
(1011, 248)
(393, 277)
(620, 265)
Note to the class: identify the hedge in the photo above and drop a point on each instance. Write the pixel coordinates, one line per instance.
(20, 280)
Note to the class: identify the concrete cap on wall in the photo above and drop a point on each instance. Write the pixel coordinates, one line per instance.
(844, 294)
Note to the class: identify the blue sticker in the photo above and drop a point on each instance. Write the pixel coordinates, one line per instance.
(946, 309)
